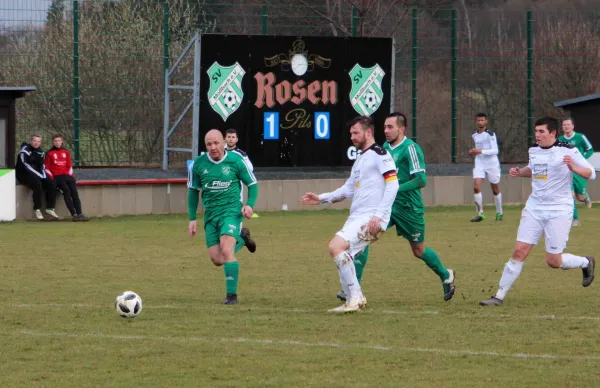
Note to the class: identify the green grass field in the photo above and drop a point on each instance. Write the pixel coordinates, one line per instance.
(58, 327)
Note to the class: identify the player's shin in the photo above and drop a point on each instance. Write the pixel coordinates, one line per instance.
(360, 261)
(432, 260)
(478, 203)
(231, 276)
(512, 270)
(498, 202)
(239, 244)
(347, 271)
(575, 211)
(570, 261)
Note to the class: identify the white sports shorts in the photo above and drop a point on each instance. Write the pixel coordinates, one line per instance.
(355, 232)
(555, 228)
(494, 174)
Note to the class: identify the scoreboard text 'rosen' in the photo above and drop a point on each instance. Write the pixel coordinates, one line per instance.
(297, 92)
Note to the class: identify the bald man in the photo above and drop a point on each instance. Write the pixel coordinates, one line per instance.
(218, 173)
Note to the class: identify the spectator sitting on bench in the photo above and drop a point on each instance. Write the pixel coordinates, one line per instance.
(60, 168)
(30, 172)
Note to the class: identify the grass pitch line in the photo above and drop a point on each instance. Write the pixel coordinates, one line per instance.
(242, 309)
(287, 343)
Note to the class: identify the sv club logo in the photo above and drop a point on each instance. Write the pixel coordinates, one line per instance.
(225, 93)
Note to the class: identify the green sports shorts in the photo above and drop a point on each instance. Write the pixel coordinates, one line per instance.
(579, 185)
(409, 224)
(219, 226)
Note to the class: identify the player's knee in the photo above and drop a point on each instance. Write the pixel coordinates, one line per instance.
(418, 250)
(217, 259)
(520, 253)
(495, 189)
(228, 252)
(476, 189)
(335, 248)
(554, 260)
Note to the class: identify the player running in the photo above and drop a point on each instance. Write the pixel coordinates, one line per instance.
(372, 186)
(583, 145)
(549, 208)
(486, 164)
(408, 209)
(219, 174)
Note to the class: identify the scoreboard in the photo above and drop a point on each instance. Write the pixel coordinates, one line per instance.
(290, 97)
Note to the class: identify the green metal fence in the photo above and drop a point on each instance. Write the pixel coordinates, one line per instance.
(99, 65)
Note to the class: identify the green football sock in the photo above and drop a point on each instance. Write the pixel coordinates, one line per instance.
(239, 244)
(360, 261)
(231, 276)
(433, 261)
(575, 211)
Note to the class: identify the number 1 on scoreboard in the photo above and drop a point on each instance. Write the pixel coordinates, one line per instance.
(271, 126)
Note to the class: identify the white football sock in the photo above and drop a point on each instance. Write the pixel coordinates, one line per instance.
(344, 286)
(478, 203)
(498, 200)
(570, 261)
(347, 271)
(512, 270)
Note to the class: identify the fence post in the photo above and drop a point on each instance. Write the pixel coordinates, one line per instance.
(354, 22)
(265, 17)
(166, 36)
(453, 81)
(76, 152)
(529, 77)
(415, 53)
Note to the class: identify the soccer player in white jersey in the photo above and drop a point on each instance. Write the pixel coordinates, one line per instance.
(231, 140)
(549, 208)
(486, 164)
(372, 186)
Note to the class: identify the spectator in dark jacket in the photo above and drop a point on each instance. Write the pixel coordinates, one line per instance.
(30, 172)
(59, 167)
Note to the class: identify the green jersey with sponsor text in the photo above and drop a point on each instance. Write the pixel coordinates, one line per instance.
(409, 160)
(220, 183)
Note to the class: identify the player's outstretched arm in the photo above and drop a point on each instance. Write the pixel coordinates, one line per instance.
(580, 166)
(340, 194)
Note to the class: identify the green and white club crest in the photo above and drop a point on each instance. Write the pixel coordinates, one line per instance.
(366, 94)
(225, 93)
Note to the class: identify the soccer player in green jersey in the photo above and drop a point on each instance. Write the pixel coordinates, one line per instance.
(579, 141)
(408, 209)
(218, 174)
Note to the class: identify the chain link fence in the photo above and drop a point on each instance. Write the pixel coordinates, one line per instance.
(99, 66)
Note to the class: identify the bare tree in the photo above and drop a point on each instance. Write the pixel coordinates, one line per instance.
(120, 78)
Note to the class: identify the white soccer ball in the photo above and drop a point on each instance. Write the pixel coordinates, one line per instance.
(371, 100)
(128, 304)
(230, 100)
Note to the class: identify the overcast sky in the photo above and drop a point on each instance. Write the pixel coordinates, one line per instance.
(16, 12)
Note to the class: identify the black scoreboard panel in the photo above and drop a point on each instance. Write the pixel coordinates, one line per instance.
(289, 98)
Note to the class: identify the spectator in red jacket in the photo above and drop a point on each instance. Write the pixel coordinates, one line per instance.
(59, 167)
